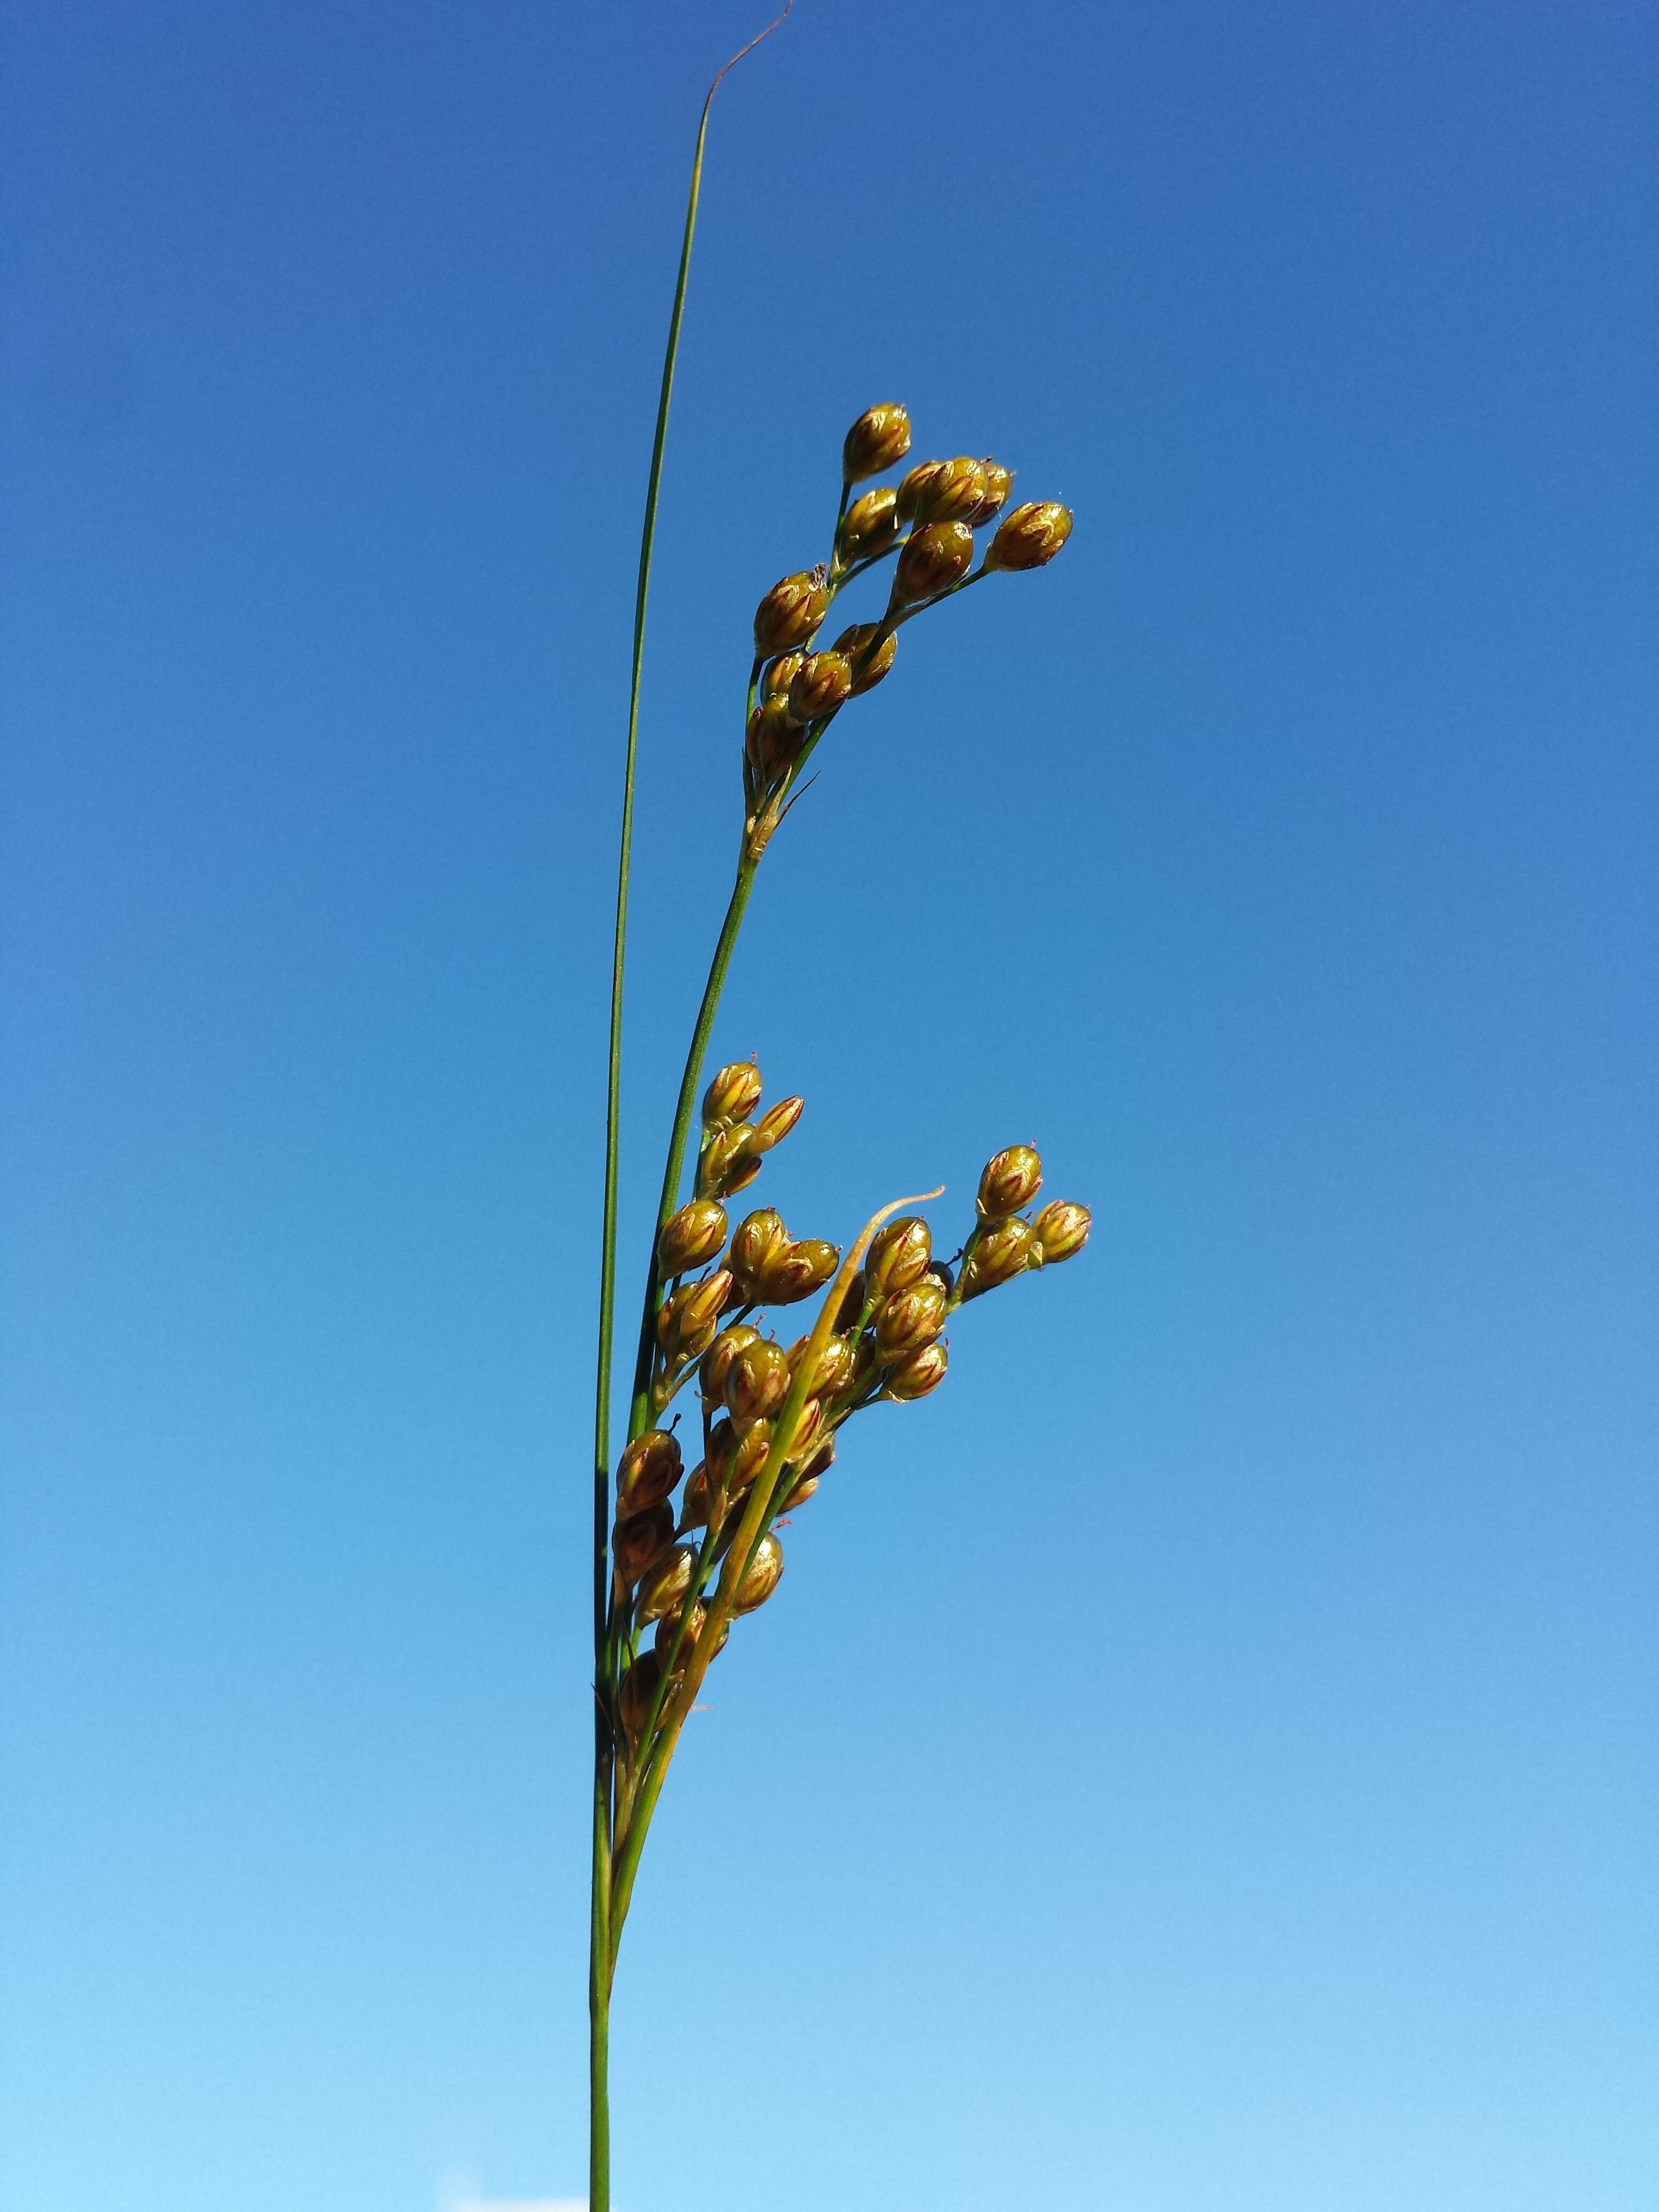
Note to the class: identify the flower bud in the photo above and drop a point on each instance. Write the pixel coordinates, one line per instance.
(869, 661)
(647, 1470)
(778, 675)
(691, 1238)
(638, 1542)
(686, 1325)
(774, 1125)
(732, 1096)
(915, 1376)
(932, 560)
(761, 1576)
(1030, 537)
(870, 526)
(663, 1587)
(1003, 1252)
(756, 1381)
(669, 1627)
(914, 488)
(908, 1318)
(880, 437)
(822, 683)
(790, 611)
(760, 1237)
(951, 491)
(1010, 1180)
(796, 1273)
(898, 1255)
(1061, 1230)
(639, 1690)
(829, 1371)
(717, 1360)
(773, 738)
(998, 482)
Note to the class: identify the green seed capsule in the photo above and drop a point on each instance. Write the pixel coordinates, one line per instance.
(732, 1096)
(1061, 1230)
(763, 1575)
(869, 660)
(932, 560)
(717, 1360)
(666, 1584)
(647, 1470)
(1030, 537)
(1004, 1250)
(756, 1381)
(1010, 1180)
(898, 1255)
(691, 1238)
(638, 1542)
(880, 437)
(914, 1377)
(796, 1273)
(910, 1318)
(790, 611)
(870, 527)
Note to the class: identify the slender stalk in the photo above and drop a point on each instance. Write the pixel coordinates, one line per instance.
(601, 1952)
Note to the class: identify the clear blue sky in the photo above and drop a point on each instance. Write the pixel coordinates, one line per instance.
(1202, 1761)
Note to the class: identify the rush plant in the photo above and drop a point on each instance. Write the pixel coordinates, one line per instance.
(685, 1542)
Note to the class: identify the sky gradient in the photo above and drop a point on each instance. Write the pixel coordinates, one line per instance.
(1202, 1759)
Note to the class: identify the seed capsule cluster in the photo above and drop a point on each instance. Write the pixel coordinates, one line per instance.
(928, 520)
(885, 1344)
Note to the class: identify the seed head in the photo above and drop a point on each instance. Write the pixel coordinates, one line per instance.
(647, 1470)
(640, 1540)
(914, 489)
(790, 611)
(870, 526)
(760, 1237)
(1004, 1250)
(898, 1255)
(880, 437)
(932, 560)
(691, 1238)
(761, 1576)
(667, 1583)
(1030, 537)
(915, 1376)
(1011, 1179)
(910, 1318)
(1061, 1230)
(868, 661)
(755, 1380)
(732, 1096)
(726, 1164)
(824, 681)
(721, 1352)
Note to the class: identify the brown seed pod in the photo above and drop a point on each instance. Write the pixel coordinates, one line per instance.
(691, 1238)
(1061, 1230)
(754, 1449)
(666, 1582)
(1010, 1180)
(1030, 537)
(775, 678)
(668, 1629)
(774, 1125)
(880, 437)
(1004, 1250)
(732, 1096)
(950, 492)
(914, 1377)
(760, 1237)
(796, 1272)
(688, 1319)
(910, 1318)
(870, 526)
(647, 1470)
(720, 1354)
(932, 560)
(898, 1255)
(822, 683)
(809, 1432)
(694, 1504)
(756, 1381)
(914, 489)
(640, 1540)
(830, 1370)
(801, 1490)
(998, 482)
(639, 1690)
(761, 1576)
(790, 611)
(868, 661)
(774, 738)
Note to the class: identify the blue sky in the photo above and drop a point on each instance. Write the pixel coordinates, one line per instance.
(1200, 1761)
